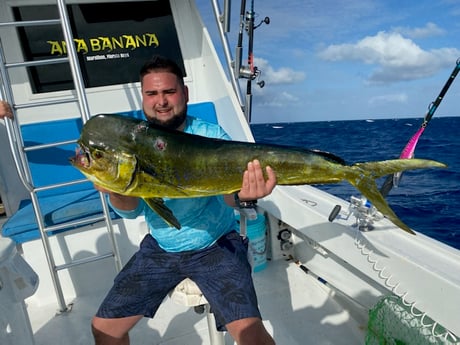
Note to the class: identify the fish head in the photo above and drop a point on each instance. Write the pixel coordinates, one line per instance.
(112, 169)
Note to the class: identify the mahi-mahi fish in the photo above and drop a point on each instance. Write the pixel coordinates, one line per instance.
(136, 158)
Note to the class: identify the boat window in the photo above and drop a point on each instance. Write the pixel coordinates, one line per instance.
(112, 40)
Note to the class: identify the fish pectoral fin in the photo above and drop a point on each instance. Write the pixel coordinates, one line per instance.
(158, 205)
(127, 165)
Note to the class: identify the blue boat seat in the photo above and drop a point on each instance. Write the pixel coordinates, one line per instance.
(51, 166)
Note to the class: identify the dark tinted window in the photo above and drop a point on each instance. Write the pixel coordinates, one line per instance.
(113, 40)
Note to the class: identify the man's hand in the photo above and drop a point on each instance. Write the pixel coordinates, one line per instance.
(5, 110)
(254, 184)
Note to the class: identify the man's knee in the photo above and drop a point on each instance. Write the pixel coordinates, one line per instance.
(249, 331)
(102, 338)
(113, 331)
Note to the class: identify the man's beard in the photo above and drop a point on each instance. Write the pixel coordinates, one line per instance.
(173, 123)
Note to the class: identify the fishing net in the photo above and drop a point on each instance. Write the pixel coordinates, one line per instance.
(392, 322)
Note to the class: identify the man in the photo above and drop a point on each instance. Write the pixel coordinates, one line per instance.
(206, 249)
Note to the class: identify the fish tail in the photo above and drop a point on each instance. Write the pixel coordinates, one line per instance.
(392, 166)
(367, 186)
(363, 178)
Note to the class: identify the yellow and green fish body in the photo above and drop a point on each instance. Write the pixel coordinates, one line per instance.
(135, 158)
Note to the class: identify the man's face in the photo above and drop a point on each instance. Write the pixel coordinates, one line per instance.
(164, 99)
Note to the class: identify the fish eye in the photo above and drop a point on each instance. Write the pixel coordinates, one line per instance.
(98, 154)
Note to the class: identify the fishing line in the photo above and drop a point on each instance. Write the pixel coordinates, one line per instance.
(409, 149)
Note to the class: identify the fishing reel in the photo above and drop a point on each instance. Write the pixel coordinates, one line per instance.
(366, 214)
(362, 209)
(247, 72)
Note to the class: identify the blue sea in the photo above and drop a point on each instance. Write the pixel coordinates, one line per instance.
(427, 200)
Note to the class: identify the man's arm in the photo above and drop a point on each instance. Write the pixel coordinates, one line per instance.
(254, 185)
(121, 202)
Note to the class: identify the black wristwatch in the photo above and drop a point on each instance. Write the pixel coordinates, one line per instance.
(244, 204)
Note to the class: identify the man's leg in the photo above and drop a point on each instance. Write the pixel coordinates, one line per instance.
(138, 291)
(249, 331)
(225, 277)
(113, 331)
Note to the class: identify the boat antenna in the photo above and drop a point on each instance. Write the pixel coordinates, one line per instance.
(249, 72)
(409, 149)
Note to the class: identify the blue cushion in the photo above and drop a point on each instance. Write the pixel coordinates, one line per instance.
(51, 166)
(205, 111)
(57, 209)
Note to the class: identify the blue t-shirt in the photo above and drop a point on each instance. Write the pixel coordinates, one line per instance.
(204, 220)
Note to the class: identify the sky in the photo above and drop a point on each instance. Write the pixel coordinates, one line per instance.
(325, 60)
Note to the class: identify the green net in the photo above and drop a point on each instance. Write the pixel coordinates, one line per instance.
(391, 322)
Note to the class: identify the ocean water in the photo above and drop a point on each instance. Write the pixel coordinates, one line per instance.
(427, 200)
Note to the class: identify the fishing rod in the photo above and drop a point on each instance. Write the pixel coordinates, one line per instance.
(249, 72)
(361, 207)
(239, 45)
(252, 69)
(331, 287)
(409, 149)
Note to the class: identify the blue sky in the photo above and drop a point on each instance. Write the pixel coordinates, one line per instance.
(353, 59)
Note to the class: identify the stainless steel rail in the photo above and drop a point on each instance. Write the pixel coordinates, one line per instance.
(19, 151)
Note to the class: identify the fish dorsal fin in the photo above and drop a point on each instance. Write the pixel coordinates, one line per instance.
(329, 156)
(158, 205)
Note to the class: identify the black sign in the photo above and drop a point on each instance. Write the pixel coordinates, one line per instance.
(112, 40)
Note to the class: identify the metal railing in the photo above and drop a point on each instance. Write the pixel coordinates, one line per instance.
(19, 151)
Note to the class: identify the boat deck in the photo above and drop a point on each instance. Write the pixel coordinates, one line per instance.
(303, 312)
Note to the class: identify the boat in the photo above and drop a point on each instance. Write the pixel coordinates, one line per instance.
(326, 270)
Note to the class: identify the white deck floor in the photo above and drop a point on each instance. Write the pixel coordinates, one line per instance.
(305, 313)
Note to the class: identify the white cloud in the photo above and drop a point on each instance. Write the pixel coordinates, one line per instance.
(398, 58)
(429, 30)
(274, 94)
(390, 98)
(278, 100)
(283, 75)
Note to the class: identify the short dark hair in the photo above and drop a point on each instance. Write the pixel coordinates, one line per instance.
(161, 63)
